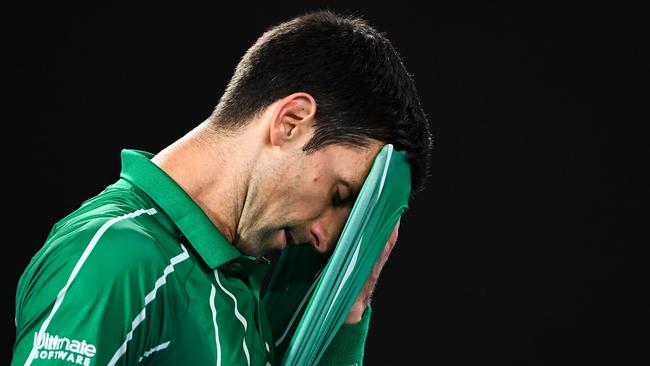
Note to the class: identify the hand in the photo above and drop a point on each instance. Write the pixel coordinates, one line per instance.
(362, 301)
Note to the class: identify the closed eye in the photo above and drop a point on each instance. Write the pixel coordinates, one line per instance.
(337, 201)
(343, 199)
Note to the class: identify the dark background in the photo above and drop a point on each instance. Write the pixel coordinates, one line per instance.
(524, 249)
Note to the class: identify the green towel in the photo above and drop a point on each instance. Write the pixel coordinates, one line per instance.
(319, 290)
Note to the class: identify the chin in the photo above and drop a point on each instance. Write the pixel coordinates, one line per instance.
(246, 248)
(260, 247)
(252, 252)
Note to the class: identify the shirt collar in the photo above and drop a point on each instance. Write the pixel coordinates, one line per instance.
(190, 219)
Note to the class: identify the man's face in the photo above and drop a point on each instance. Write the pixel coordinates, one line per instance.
(301, 198)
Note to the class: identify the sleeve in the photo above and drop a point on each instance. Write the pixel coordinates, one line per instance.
(347, 346)
(94, 301)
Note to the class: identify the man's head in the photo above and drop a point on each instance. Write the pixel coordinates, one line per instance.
(332, 91)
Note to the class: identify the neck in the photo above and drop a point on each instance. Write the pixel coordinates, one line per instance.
(211, 168)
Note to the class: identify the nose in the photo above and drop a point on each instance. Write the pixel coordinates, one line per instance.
(318, 238)
(325, 231)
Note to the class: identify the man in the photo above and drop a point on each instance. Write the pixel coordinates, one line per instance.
(165, 265)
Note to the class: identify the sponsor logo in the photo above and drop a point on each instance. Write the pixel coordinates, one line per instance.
(54, 347)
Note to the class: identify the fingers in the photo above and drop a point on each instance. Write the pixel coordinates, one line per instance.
(391, 242)
(388, 248)
(368, 288)
(395, 233)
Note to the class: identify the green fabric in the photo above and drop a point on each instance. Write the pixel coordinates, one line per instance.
(139, 274)
(303, 337)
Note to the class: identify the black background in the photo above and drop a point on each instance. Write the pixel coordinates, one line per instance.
(524, 249)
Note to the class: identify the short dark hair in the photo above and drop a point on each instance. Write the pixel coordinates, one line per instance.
(361, 87)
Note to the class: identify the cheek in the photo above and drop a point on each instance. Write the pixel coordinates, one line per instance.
(320, 190)
(306, 190)
(309, 185)
(307, 202)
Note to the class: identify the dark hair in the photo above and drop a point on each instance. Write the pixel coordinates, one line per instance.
(361, 87)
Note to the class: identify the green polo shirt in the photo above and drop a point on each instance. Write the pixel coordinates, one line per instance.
(139, 274)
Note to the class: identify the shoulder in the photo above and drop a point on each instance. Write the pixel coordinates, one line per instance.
(96, 281)
(119, 260)
(125, 247)
(113, 247)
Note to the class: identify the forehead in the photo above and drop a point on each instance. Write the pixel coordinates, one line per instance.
(351, 163)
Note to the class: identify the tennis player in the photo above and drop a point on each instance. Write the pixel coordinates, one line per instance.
(165, 265)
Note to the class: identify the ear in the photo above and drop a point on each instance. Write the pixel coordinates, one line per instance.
(292, 120)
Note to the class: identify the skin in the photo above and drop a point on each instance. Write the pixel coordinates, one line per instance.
(263, 192)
